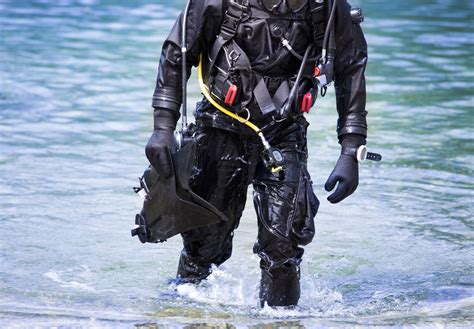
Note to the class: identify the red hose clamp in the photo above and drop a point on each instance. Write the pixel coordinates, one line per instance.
(231, 94)
(306, 103)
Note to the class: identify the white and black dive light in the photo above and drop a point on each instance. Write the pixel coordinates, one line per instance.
(363, 154)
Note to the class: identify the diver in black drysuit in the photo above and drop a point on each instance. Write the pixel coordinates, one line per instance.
(229, 154)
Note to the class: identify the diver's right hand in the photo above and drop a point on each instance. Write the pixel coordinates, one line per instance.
(156, 151)
(162, 142)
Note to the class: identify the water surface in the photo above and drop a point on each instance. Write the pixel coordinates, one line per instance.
(75, 93)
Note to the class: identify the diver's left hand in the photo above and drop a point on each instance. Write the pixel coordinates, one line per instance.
(346, 173)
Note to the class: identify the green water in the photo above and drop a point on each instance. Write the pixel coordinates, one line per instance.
(75, 93)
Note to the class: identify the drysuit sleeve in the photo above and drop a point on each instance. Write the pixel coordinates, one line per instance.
(350, 63)
(203, 21)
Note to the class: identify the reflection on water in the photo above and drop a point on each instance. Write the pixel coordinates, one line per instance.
(76, 82)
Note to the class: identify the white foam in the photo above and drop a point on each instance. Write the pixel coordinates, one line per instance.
(223, 288)
(220, 287)
(57, 276)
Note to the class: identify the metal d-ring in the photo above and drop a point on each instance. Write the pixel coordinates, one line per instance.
(233, 55)
(248, 116)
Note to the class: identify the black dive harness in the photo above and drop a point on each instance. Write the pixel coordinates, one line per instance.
(235, 83)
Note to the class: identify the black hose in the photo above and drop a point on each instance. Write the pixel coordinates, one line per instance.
(298, 56)
(184, 73)
(291, 97)
(329, 36)
(330, 27)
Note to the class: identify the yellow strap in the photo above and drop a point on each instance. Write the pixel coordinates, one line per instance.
(218, 106)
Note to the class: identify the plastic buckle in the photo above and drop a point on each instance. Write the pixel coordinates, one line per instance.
(306, 103)
(143, 190)
(231, 94)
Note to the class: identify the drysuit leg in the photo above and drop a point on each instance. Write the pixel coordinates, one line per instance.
(285, 206)
(224, 166)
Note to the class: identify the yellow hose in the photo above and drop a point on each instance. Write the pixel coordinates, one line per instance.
(218, 106)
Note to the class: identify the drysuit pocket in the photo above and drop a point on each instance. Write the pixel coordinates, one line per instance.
(306, 207)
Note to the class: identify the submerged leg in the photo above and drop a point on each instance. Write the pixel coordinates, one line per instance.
(285, 205)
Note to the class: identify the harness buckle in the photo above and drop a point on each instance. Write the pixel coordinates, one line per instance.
(232, 18)
(229, 27)
(142, 191)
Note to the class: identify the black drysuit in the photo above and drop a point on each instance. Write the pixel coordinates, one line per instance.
(228, 157)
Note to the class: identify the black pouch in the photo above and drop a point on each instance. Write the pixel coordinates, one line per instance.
(170, 207)
(306, 89)
(230, 77)
(302, 227)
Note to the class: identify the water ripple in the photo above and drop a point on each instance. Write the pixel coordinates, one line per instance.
(75, 93)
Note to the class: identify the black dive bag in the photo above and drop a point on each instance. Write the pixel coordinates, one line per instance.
(170, 207)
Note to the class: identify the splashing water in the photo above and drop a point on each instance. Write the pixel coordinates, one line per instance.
(75, 93)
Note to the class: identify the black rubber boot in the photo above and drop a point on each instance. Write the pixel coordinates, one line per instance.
(280, 286)
(191, 270)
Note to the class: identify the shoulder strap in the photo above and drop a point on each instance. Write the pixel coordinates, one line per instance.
(232, 18)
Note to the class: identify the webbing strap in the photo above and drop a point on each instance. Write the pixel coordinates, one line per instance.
(281, 95)
(266, 103)
(263, 98)
(232, 18)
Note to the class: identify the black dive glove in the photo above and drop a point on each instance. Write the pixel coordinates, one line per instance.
(161, 141)
(346, 171)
